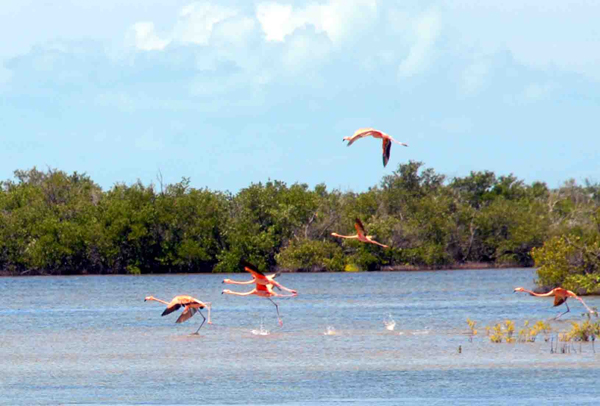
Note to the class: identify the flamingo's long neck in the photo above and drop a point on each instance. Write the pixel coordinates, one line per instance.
(158, 300)
(551, 293)
(230, 292)
(232, 282)
(344, 236)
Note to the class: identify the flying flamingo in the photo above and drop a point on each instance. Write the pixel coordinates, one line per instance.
(191, 306)
(560, 296)
(264, 286)
(387, 140)
(361, 234)
(259, 278)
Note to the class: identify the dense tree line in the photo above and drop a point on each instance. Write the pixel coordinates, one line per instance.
(57, 223)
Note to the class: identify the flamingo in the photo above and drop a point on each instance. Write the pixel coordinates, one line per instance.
(361, 234)
(264, 286)
(191, 306)
(560, 296)
(387, 140)
(259, 278)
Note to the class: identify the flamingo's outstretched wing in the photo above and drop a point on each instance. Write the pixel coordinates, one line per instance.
(559, 299)
(253, 270)
(272, 277)
(179, 301)
(360, 229)
(365, 132)
(378, 243)
(360, 133)
(171, 308)
(387, 148)
(188, 312)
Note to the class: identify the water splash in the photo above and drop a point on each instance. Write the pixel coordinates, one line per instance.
(262, 331)
(330, 331)
(389, 322)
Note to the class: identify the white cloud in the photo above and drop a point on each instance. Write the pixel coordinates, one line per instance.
(337, 18)
(538, 33)
(146, 39)
(426, 29)
(276, 20)
(236, 30)
(194, 25)
(196, 22)
(305, 49)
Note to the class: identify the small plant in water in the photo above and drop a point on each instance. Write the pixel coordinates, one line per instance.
(502, 332)
(528, 334)
(584, 331)
(505, 332)
(472, 330)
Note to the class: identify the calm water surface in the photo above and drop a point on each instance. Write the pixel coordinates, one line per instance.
(93, 340)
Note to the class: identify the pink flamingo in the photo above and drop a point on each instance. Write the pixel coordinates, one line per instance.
(560, 296)
(264, 286)
(361, 234)
(387, 140)
(191, 306)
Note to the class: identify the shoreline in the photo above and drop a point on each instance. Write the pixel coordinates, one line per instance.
(455, 267)
(391, 268)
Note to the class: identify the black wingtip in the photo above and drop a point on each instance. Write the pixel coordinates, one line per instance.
(254, 268)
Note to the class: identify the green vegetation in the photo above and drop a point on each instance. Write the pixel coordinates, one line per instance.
(57, 223)
(505, 332)
(528, 334)
(472, 330)
(571, 261)
(502, 332)
(584, 331)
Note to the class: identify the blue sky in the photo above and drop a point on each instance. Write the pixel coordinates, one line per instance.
(233, 92)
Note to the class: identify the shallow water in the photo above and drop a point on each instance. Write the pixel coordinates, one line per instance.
(93, 340)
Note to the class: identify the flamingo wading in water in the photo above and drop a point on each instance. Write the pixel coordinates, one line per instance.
(361, 234)
(264, 286)
(387, 140)
(560, 296)
(190, 307)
